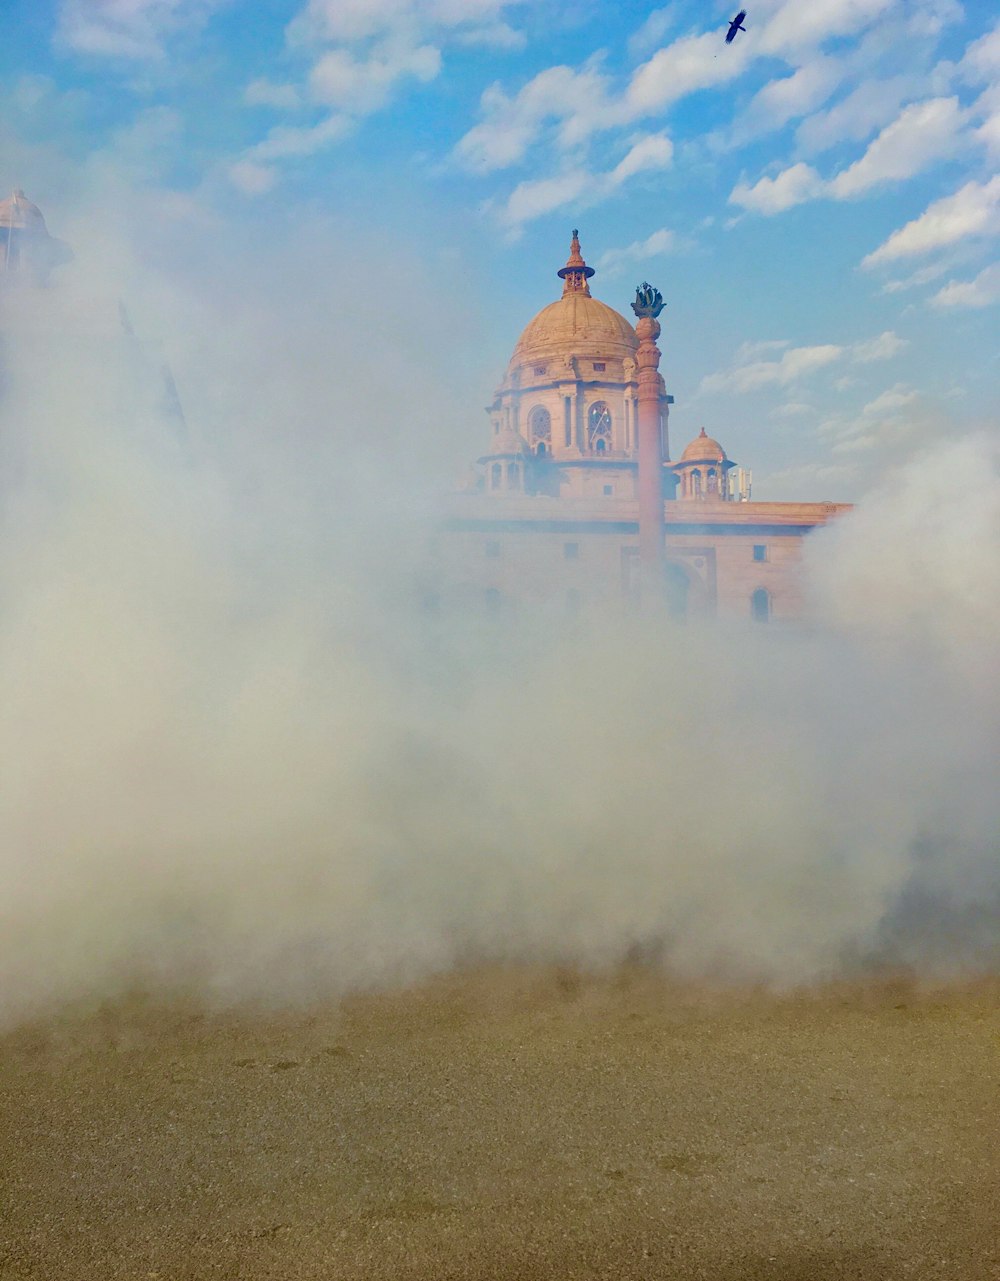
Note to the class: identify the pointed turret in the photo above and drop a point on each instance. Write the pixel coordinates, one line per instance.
(576, 273)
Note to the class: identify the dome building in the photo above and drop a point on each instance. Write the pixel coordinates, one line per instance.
(703, 470)
(570, 394)
(26, 248)
(553, 510)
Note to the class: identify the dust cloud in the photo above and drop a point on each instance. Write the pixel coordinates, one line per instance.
(243, 758)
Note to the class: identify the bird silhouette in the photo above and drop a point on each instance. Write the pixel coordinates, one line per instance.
(736, 25)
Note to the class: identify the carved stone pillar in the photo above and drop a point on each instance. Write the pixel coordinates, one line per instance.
(647, 307)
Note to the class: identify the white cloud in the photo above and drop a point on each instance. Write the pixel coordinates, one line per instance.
(147, 144)
(690, 63)
(252, 179)
(531, 199)
(362, 85)
(265, 93)
(132, 29)
(284, 141)
(540, 196)
(455, 13)
(782, 100)
(494, 35)
(895, 419)
(583, 102)
(773, 195)
(922, 277)
(895, 398)
(798, 24)
(696, 62)
(932, 16)
(867, 108)
(884, 347)
(923, 133)
(613, 261)
(983, 291)
(891, 433)
(794, 363)
(254, 173)
(793, 409)
(655, 151)
(365, 49)
(981, 60)
(748, 351)
(501, 140)
(575, 100)
(347, 19)
(973, 210)
(987, 108)
(652, 31)
(750, 372)
(352, 20)
(790, 482)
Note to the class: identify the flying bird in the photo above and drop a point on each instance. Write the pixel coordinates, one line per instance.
(736, 25)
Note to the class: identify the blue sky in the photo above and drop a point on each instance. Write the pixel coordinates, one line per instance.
(819, 201)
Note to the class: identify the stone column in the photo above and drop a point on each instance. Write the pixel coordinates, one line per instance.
(648, 305)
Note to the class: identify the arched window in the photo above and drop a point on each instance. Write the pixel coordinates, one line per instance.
(540, 428)
(713, 481)
(540, 449)
(760, 605)
(599, 427)
(496, 475)
(513, 476)
(696, 484)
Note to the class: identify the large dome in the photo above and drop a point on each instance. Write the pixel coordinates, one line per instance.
(577, 324)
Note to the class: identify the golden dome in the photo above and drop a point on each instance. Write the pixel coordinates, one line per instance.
(703, 449)
(577, 324)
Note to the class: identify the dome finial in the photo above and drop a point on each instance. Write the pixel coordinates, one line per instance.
(576, 273)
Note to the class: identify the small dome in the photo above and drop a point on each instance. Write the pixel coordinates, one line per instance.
(18, 211)
(703, 449)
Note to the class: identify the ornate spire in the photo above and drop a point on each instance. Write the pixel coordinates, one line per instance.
(576, 273)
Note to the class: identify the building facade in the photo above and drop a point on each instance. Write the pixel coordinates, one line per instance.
(551, 508)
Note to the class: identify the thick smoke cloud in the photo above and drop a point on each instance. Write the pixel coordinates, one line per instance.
(242, 755)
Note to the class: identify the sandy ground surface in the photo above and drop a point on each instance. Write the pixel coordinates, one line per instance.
(511, 1125)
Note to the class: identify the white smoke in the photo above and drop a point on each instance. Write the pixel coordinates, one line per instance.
(240, 755)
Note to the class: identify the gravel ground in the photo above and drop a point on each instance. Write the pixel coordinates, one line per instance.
(510, 1124)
